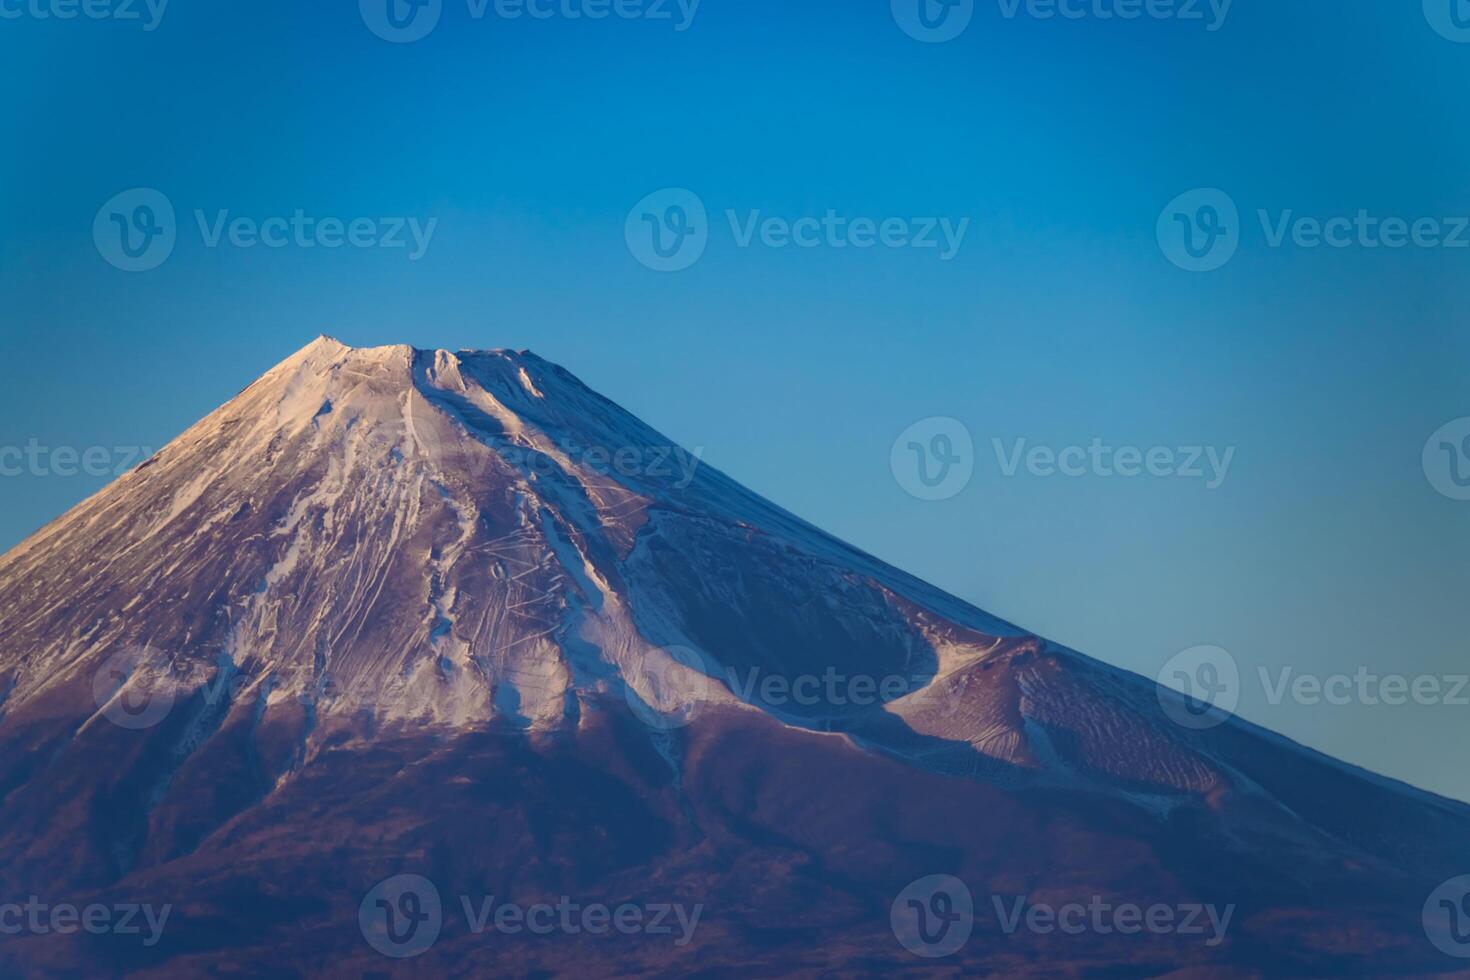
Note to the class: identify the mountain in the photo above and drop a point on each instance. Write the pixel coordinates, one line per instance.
(456, 617)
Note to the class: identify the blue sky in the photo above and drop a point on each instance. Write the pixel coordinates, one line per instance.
(1060, 318)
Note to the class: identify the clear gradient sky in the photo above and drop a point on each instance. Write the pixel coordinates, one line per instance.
(1060, 319)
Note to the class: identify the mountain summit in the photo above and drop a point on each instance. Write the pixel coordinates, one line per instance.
(395, 611)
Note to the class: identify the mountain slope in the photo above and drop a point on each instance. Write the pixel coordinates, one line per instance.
(392, 610)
